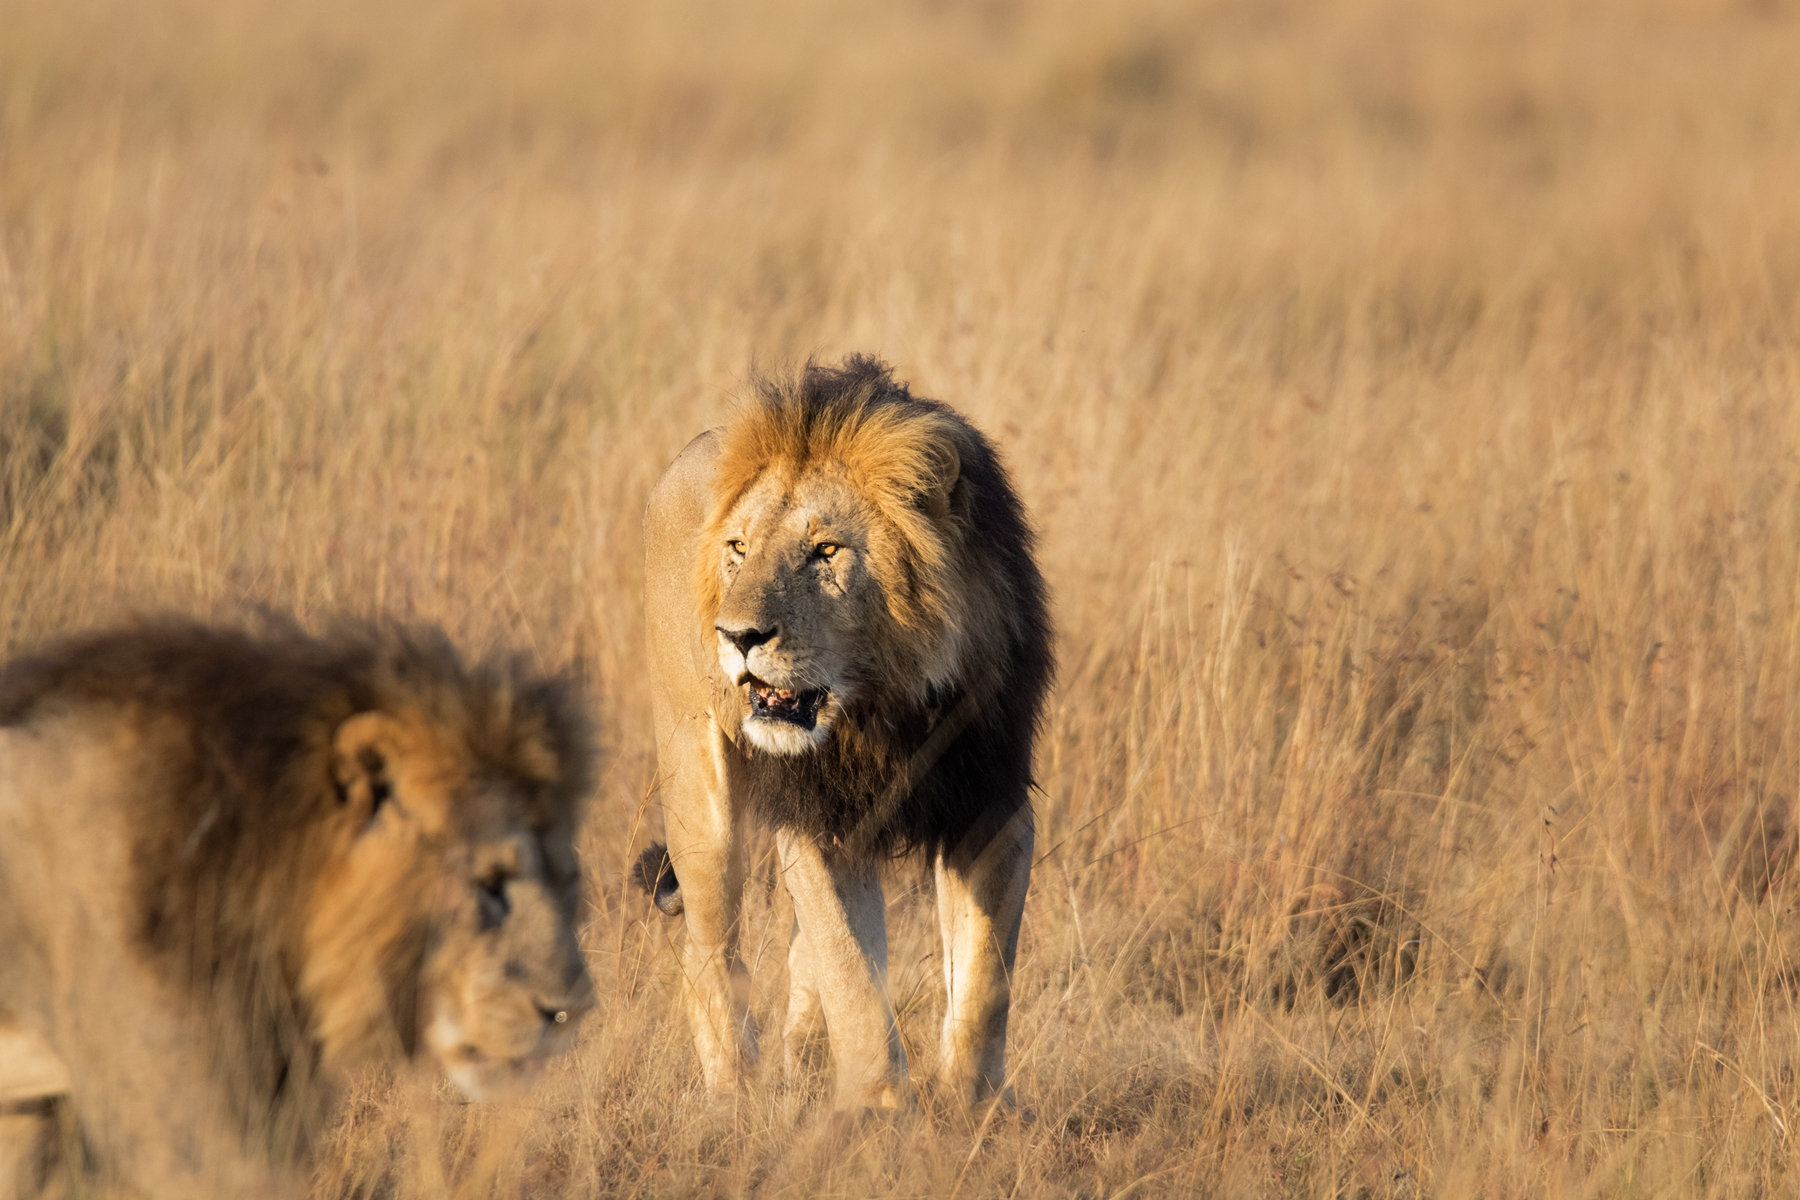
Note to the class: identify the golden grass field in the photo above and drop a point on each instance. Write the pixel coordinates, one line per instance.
(1408, 396)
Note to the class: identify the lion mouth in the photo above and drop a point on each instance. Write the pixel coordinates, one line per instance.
(481, 1076)
(788, 705)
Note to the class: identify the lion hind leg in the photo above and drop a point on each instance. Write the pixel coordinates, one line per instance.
(981, 903)
(843, 925)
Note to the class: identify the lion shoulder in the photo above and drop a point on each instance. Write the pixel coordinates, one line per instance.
(677, 510)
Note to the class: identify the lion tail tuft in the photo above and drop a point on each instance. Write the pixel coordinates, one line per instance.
(656, 875)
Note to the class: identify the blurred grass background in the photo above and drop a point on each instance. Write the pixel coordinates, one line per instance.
(1408, 395)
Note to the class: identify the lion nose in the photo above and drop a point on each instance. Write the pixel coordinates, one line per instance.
(747, 638)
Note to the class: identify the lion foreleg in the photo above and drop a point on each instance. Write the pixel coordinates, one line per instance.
(981, 902)
(707, 855)
(843, 923)
(714, 982)
(805, 1014)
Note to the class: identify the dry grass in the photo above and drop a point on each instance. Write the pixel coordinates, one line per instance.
(1408, 395)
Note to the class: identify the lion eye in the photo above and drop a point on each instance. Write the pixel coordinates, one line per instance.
(490, 896)
(826, 549)
(735, 545)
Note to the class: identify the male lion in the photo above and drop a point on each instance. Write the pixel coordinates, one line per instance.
(228, 863)
(849, 640)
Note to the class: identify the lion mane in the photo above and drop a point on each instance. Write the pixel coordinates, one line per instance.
(916, 768)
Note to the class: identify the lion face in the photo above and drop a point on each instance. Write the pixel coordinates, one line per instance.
(441, 871)
(504, 985)
(807, 625)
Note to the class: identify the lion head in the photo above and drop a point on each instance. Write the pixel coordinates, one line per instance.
(836, 572)
(457, 865)
(333, 849)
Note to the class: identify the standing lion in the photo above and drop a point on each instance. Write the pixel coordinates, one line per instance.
(848, 640)
(229, 862)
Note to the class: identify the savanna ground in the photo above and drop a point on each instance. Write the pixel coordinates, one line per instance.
(1408, 395)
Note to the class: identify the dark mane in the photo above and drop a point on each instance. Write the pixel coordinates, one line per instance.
(253, 714)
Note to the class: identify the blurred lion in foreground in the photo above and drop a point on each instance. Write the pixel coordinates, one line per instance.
(229, 863)
(848, 640)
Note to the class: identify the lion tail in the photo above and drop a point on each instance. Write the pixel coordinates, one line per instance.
(656, 875)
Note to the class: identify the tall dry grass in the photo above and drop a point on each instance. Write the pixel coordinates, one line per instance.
(1408, 395)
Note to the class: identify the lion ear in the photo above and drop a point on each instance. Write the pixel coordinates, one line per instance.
(946, 470)
(362, 754)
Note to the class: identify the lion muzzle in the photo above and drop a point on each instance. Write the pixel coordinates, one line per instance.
(737, 643)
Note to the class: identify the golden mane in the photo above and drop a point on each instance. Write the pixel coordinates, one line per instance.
(903, 454)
